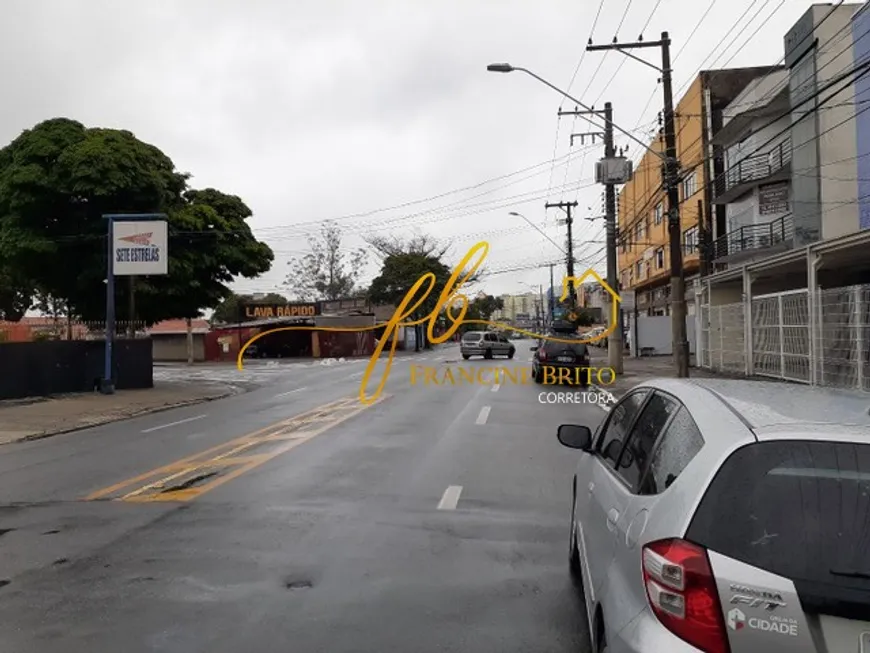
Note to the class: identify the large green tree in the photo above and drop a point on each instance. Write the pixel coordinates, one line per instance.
(229, 310)
(59, 178)
(328, 271)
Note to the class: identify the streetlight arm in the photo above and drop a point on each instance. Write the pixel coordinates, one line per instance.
(578, 103)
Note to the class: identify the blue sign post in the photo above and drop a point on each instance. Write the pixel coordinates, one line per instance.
(139, 252)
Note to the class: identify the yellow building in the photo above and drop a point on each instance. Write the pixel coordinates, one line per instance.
(643, 256)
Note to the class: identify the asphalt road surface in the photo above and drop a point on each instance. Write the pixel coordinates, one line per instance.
(293, 518)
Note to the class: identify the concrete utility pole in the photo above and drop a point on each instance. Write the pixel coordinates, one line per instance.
(615, 347)
(189, 323)
(567, 206)
(670, 176)
(552, 298)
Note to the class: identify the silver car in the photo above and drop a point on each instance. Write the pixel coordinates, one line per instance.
(485, 343)
(725, 516)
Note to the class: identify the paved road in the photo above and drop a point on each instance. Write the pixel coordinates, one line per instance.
(434, 520)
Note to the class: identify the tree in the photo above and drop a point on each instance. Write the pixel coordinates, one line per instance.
(16, 295)
(229, 310)
(59, 178)
(327, 272)
(399, 274)
(422, 245)
(485, 306)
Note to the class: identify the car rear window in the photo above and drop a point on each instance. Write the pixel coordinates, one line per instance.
(472, 336)
(554, 348)
(799, 509)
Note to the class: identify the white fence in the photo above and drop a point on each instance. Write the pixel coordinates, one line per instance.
(819, 339)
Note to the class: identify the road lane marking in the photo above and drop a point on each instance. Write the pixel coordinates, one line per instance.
(450, 498)
(604, 407)
(354, 376)
(495, 387)
(223, 463)
(290, 392)
(166, 426)
(484, 414)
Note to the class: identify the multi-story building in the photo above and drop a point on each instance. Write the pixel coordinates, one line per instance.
(644, 262)
(861, 54)
(789, 144)
(523, 305)
(755, 187)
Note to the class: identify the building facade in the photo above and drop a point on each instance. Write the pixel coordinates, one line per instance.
(643, 256)
(755, 189)
(861, 54)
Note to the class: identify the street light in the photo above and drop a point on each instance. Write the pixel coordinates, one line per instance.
(508, 68)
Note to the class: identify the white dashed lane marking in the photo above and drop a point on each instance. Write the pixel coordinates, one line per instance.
(484, 414)
(495, 387)
(450, 498)
(166, 426)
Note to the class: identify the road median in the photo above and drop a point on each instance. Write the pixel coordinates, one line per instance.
(45, 417)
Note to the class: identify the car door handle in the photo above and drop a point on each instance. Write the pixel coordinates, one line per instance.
(612, 518)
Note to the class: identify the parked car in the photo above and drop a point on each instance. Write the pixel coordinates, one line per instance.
(485, 343)
(561, 355)
(726, 516)
(595, 333)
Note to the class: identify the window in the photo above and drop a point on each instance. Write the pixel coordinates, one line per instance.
(660, 258)
(690, 240)
(659, 213)
(491, 337)
(635, 458)
(638, 271)
(646, 270)
(616, 427)
(678, 446)
(690, 185)
(796, 509)
(472, 336)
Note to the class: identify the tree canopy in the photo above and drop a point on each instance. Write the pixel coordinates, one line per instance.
(59, 178)
(328, 271)
(228, 311)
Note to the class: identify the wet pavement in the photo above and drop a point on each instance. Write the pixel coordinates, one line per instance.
(292, 517)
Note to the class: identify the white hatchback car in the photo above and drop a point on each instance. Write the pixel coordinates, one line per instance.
(725, 517)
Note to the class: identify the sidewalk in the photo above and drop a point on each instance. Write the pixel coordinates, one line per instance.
(639, 370)
(33, 419)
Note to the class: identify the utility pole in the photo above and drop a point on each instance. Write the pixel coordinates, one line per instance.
(615, 347)
(670, 177)
(552, 299)
(567, 206)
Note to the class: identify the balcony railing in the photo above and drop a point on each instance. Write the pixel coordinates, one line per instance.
(755, 168)
(754, 237)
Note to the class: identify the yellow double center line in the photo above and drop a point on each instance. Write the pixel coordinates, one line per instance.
(195, 475)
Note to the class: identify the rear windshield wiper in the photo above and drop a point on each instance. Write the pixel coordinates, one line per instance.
(849, 573)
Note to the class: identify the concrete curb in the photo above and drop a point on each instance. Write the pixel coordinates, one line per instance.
(146, 411)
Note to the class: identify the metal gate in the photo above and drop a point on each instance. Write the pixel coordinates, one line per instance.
(781, 336)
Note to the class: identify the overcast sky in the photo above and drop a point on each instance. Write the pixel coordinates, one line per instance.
(322, 109)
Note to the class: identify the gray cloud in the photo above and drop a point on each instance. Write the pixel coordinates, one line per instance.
(320, 109)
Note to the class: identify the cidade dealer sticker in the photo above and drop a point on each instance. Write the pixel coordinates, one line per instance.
(737, 621)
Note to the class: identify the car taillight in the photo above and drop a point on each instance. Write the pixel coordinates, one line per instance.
(682, 593)
(542, 355)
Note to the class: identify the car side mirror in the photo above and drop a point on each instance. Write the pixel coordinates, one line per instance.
(575, 436)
